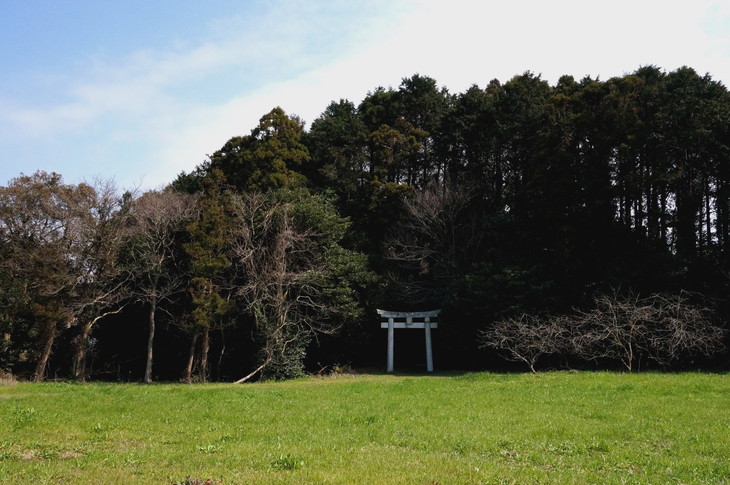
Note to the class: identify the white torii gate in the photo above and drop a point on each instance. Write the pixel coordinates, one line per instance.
(393, 320)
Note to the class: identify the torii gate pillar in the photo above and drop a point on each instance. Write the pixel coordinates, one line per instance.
(393, 320)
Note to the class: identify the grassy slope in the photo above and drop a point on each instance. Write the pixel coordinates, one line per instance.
(474, 428)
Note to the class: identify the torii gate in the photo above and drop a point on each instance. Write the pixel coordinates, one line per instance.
(393, 320)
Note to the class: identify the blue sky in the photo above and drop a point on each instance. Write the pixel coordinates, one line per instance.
(139, 91)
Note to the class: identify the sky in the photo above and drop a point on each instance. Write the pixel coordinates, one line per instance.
(138, 91)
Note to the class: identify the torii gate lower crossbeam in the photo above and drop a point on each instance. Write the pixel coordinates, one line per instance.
(392, 320)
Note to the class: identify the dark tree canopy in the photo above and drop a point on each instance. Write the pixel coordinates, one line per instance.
(271, 157)
(501, 205)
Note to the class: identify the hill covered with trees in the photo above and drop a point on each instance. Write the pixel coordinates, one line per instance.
(554, 216)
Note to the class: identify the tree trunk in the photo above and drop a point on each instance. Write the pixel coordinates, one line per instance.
(150, 342)
(708, 214)
(628, 360)
(191, 359)
(664, 223)
(722, 224)
(204, 349)
(79, 363)
(653, 214)
(48, 337)
(220, 356)
(687, 208)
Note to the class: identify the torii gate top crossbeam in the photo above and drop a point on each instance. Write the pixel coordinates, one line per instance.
(406, 319)
(388, 313)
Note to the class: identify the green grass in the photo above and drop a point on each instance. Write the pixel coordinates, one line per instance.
(562, 427)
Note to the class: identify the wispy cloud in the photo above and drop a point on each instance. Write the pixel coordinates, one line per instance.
(148, 114)
(185, 95)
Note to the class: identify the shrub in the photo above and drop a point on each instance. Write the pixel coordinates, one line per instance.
(624, 329)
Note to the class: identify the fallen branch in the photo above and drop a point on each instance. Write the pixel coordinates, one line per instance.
(257, 370)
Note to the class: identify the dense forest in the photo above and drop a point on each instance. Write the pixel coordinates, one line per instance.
(586, 224)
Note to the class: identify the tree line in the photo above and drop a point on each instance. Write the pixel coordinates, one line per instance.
(518, 208)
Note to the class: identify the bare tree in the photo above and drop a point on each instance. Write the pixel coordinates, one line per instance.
(153, 253)
(617, 328)
(624, 329)
(660, 328)
(526, 338)
(101, 288)
(681, 329)
(440, 236)
(286, 283)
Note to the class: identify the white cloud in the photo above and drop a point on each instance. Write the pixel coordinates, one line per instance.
(459, 44)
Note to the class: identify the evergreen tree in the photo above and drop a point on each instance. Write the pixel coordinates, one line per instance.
(208, 248)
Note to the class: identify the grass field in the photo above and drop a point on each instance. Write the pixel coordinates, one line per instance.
(561, 427)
